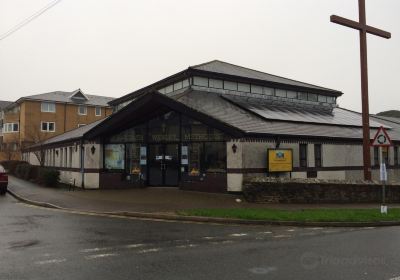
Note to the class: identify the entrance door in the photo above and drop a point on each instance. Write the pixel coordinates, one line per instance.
(163, 164)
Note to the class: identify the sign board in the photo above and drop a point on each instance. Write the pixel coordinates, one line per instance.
(381, 138)
(280, 160)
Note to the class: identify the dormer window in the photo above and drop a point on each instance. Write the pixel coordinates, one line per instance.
(78, 96)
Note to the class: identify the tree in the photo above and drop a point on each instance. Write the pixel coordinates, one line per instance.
(34, 140)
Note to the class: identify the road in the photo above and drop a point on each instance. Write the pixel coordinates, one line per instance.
(38, 243)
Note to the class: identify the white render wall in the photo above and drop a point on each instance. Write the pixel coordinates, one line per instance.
(55, 157)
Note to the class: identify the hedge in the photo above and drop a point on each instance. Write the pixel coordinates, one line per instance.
(42, 175)
(11, 165)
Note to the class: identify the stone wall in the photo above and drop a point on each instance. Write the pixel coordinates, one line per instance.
(262, 190)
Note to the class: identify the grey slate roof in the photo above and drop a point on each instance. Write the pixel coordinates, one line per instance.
(227, 112)
(222, 67)
(71, 135)
(338, 116)
(4, 104)
(65, 97)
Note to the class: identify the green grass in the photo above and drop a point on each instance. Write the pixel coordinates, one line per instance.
(310, 215)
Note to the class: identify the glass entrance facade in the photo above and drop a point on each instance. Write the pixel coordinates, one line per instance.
(168, 150)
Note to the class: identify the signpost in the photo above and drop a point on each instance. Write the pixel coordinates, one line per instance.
(381, 140)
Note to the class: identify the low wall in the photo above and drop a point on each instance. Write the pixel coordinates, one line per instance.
(262, 190)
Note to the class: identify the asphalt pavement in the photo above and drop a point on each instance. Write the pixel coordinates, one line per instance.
(37, 243)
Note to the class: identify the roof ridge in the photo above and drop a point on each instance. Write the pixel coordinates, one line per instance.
(293, 80)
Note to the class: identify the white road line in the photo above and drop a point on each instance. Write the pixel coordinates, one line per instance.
(265, 232)
(291, 230)
(186, 246)
(237, 234)
(91, 250)
(50, 261)
(281, 236)
(91, 257)
(152, 250)
(395, 278)
(132, 246)
(208, 237)
(315, 228)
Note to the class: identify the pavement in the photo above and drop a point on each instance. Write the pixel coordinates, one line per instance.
(39, 244)
(161, 203)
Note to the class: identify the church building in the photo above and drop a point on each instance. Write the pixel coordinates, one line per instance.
(209, 127)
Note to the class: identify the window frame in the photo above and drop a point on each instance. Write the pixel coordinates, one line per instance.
(318, 159)
(11, 125)
(47, 110)
(95, 111)
(79, 110)
(48, 126)
(303, 162)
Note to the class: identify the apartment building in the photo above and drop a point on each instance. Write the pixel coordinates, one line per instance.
(32, 119)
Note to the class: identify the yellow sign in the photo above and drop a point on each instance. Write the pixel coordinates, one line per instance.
(280, 160)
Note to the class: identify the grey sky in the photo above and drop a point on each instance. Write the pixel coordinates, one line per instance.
(115, 47)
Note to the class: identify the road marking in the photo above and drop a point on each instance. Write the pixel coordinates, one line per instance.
(50, 261)
(208, 237)
(262, 270)
(395, 278)
(186, 246)
(315, 228)
(152, 250)
(291, 230)
(91, 257)
(281, 236)
(91, 250)
(131, 246)
(266, 232)
(237, 234)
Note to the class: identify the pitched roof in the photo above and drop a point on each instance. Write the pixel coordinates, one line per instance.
(227, 71)
(221, 67)
(216, 110)
(4, 104)
(67, 97)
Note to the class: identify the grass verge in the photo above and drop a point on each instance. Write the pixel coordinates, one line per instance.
(306, 215)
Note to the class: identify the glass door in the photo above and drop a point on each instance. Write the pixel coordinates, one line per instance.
(163, 164)
(155, 158)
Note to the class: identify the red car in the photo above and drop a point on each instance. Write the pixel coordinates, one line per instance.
(3, 181)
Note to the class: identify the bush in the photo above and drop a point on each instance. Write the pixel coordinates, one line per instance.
(11, 165)
(23, 171)
(48, 176)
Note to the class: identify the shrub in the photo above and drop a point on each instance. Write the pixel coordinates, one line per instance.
(11, 165)
(23, 171)
(48, 176)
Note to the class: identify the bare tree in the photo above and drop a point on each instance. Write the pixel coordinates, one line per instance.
(34, 139)
(10, 149)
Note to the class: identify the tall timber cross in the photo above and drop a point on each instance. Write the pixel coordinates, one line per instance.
(362, 26)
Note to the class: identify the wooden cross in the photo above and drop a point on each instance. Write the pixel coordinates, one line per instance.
(364, 29)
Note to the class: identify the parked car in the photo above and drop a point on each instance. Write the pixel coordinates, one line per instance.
(3, 180)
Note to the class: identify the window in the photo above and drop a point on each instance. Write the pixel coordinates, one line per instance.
(216, 83)
(69, 156)
(256, 89)
(48, 107)
(303, 155)
(322, 98)
(81, 124)
(280, 92)
(318, 155)
(376, 156)
(65, 157)
(200, 81)
(98, 111)
(243, 87)
(291, 94)
(312, 97)
(82, 110)
(214, 157)
(230, 85)
(48, 126)
(302, 96)
(385, 155)
(11, 127)
(396, 155)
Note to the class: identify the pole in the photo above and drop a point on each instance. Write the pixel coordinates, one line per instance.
(364, 92)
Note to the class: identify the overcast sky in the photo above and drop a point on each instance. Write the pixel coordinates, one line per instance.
(113, 47)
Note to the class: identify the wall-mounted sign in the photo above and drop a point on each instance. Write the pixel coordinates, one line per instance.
(280, 160)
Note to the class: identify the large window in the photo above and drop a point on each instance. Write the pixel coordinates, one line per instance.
(134, 134)
(48, 126)
(11, 127)
(48, 107)
(303, 155)
(164, 128)
(318, 155)
(206, 157)
(114, 156)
